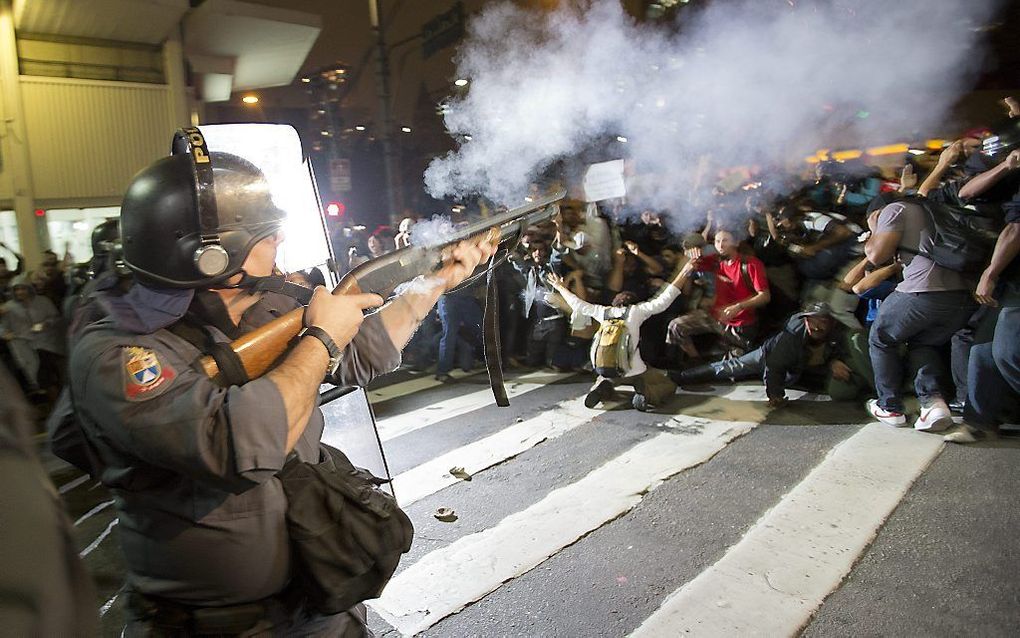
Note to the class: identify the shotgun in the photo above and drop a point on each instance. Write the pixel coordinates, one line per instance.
(259, 349)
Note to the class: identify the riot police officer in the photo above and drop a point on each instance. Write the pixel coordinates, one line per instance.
(192, 464)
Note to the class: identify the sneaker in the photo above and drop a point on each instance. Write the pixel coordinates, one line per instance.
(967, 434)
(444, 378)
(639, 402)
(934, 418)
(599, 392)
(889, 417)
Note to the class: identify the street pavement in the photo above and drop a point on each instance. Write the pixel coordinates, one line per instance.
(711, 516)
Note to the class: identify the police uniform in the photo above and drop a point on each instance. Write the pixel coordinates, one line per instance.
(191, 464)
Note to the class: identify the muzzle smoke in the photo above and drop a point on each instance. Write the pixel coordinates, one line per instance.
(743, 82)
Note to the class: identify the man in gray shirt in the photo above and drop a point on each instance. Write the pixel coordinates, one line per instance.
(927, 307)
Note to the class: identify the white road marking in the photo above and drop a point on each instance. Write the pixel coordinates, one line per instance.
(67, 487)
(107, 605)
(753, 393)
(404, 388)
(432, 476)
(772, 581)
(444, 581)
(94, 544)
(92, 512)
(400, 424)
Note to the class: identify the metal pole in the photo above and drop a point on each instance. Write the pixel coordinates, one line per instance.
(390, 168)
(33, 235)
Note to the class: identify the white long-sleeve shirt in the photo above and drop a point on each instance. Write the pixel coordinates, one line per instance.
(639, 313)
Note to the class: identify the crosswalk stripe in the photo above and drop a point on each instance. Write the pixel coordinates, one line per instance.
(404, 388)
(400, 424)
(772, 581)
(446, 580)
(107, 605)
(753, 393)
(432, 476)
(92, 512)
(67, 487)
(94, 544)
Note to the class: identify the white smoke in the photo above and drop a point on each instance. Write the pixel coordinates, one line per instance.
(742, 81)
(432, 232)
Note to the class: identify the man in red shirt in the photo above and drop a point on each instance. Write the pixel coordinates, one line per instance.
(740, 287)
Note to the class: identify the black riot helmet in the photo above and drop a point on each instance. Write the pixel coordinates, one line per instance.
(190, 220)
(105, 238)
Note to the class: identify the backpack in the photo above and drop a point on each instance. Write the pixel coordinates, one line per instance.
(962, 240)
(612, 347)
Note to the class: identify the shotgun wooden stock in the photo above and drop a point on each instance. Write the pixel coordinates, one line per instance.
(259, 350)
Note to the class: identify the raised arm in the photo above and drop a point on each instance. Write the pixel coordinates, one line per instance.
(946, 159)
(651, 266)
(983, 181)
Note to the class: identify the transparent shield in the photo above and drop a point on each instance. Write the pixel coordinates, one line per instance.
(276, 150)
(350, 427)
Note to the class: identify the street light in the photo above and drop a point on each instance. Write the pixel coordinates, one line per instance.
(359, 127)
(460, 82)
(405, 129)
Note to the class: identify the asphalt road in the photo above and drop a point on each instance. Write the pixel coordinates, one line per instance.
(735, 519)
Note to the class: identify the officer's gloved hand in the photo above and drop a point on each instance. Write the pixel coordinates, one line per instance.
(339, 315)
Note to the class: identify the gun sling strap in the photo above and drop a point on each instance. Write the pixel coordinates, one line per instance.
(490, 319)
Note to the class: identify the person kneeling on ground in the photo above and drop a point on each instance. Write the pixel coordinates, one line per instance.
(651, 387)
(808, 346)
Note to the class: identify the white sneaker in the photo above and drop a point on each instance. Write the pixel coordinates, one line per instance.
(966, 434)
(934, 418)
(895, 419)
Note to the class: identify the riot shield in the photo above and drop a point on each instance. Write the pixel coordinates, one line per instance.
(350, 427)
(276, 150)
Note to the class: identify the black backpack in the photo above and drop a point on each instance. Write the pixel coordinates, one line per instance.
(962, 240)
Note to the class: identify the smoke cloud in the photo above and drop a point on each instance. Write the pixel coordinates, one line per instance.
(743, 81)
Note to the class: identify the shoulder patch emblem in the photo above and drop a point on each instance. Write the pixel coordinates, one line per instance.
(143, 372)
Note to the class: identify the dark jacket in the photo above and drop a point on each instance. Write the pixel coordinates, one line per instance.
(785, 354)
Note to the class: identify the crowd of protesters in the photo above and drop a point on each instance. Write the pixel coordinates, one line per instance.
(822, 281)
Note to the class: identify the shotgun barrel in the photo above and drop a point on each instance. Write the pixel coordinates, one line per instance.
(259, 349)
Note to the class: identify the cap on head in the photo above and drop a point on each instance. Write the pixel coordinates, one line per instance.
(817, 309)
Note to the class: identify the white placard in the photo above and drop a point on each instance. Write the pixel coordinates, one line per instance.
(604, 181)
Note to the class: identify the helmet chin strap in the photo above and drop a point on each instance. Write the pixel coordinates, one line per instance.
(273, 283)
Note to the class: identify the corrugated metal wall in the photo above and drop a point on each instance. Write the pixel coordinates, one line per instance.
(88, 138)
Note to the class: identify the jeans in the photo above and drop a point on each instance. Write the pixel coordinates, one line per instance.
(747, 366)
(994, 373)
(455, 312)
(925, 321)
